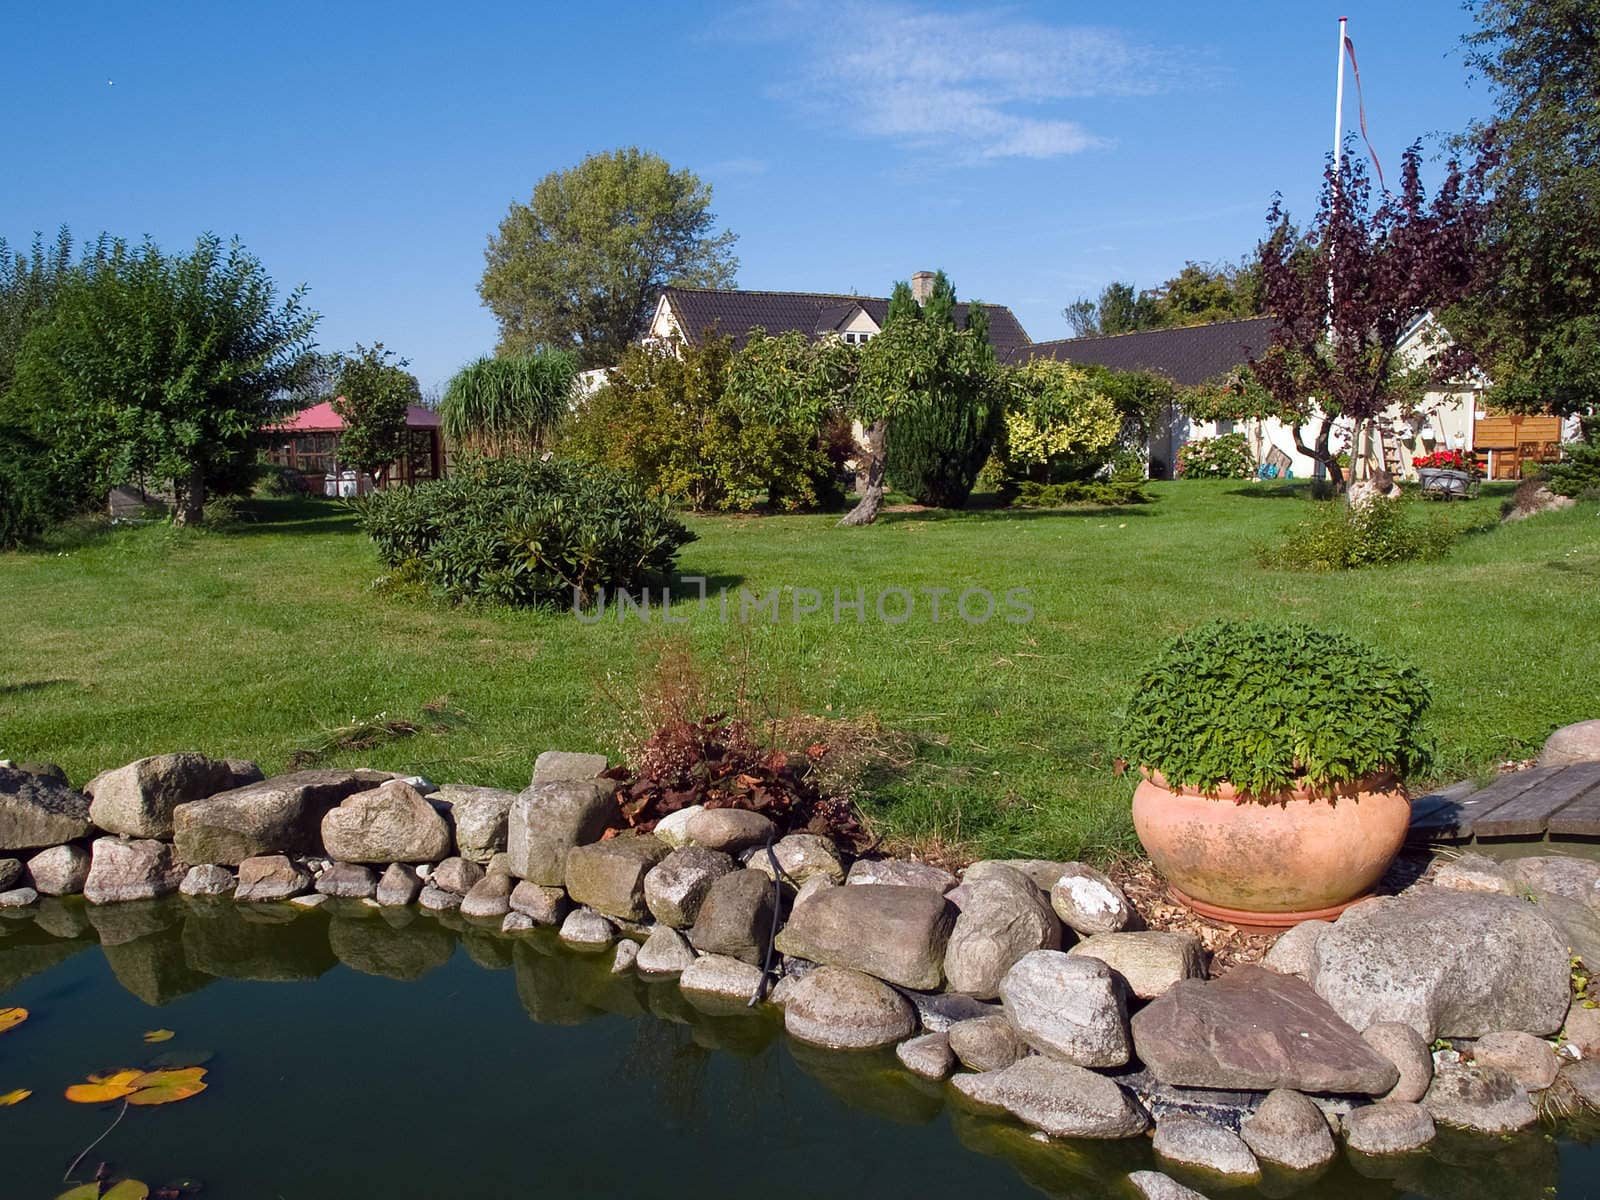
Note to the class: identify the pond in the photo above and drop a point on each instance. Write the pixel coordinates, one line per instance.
(353, 1052)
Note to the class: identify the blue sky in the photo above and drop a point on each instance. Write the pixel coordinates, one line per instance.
(1035, 151)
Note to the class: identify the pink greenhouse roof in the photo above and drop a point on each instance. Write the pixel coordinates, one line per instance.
(320, 418)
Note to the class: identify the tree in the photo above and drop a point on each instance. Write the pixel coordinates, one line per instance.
(1200, 294)
(508, 406)
(164, 365)
(1061, 422)
(1534, 319)
(1344, 294)
(579, 266)
(373, 397)
(29, 283)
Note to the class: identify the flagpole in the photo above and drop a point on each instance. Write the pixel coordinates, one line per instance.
(1338, 158)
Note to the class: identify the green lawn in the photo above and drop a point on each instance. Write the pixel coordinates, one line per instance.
(257, 640)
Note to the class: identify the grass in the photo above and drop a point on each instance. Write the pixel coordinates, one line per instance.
(268, 639)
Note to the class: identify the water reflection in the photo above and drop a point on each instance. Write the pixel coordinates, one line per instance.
(701, 1068)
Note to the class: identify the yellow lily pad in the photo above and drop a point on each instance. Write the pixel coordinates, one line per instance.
(159, 1035)
(7, 1099)
(10, 1018)
(167, 1087)
(123, 1189)
(101, 1088)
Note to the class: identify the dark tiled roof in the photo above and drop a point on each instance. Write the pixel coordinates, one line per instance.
(1188, 356)
(813, 314)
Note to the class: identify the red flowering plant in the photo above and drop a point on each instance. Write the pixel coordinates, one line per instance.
(1447, 460)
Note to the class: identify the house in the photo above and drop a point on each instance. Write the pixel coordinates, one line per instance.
(308, 444)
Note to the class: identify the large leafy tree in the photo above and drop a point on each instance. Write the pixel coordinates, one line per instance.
(1534, 321)
(1200, 294)
(373, 395)
(166, 366)
(579, 266)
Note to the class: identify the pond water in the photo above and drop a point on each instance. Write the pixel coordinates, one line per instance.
(395, 1054)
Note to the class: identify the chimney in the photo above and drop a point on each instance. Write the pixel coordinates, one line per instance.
(922, 285)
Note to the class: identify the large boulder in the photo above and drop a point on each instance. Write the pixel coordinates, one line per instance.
(1571, 745)
(1255, 1030)
(137, 800)
(730, 830)
(389, 823)
(59, 871)
(609, 876)
(1063, 1100)
(121, 870)
(736, 918)
(677, 885)
(893, 933)
(548, 819)
(840, 1009)
(281, 815)
(1089, 902)
(480, 815)
(38, 810)
(1148, 961)
(1447, 963)
(1068, 1008)
(1003, 916)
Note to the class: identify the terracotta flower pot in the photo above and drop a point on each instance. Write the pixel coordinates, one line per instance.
(1307, 855)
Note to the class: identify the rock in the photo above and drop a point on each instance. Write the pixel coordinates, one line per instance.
(1576, 1086)
(665, 953)
(1002, 917)
(810, 888)
(207, 879)
(1483, 1099)
(1527, 1059)
(1294, 953)
(437, 899)
(722, 977)
(543, 905)
(517, 922)
(1063, 1100)
(1571, 745)
(899, 872)
(986, 1043)
(1548, 875)
(20, 897)
(456, 874)
(1474, 873)
(10, 872)
(1153, 1185)
(1149, 962)
(627, 957)
(1582, 1029)
(840, 1009)
(1449, 964)
(1088, 901)
(479, 815)
(609, 876)
(729, 829)
(1388, 1127)
(1223, 1107)
(1068, 1008)
(59, 871)
(585, 927)
(938, 1011)
(390, 823)
(308, 900)
(121, 870)
(675, 887)
(351, 881)
(398, 886)
(928, 1056)
(1043, 873)
(281, 815)
(549, 819)
(1404, 1047)
(802, 857)
(1192, 1142)
(137, 800)
(736, 916)
(563, 766)
(673, 829)
(1253, 1029)
(270, 877)
(896, 934)
(489, 897)
(1289, 1131)
(37, 811)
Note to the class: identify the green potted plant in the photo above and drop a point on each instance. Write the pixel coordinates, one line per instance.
(1271, 759)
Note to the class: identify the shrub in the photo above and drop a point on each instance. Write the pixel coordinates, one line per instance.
(1578, 474)
(508, 405)
(1053, 495)
(1226, 456)
(1061, 424)
(524, 532)
(30, 500)
(1268, 707)
(1343, 537)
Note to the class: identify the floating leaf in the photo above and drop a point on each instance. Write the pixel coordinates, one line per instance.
(7, 1099)
(167, 1087)
(159, 1035)
(10, 1018)
(125, 1189)
(102, 1088)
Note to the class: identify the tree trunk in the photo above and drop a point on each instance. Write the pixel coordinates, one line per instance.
(189, 499)
(1322, 454)
(866, 510)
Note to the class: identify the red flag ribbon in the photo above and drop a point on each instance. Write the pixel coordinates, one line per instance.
(1361, 110)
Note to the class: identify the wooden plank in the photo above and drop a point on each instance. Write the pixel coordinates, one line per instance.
(1459, 818)
(1530, 812)
(1438, 809)
(1581, 818)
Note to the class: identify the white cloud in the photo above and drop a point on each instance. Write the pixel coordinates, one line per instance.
(974, 85)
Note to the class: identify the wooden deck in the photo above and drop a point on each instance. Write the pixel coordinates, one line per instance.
(1544, 804)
